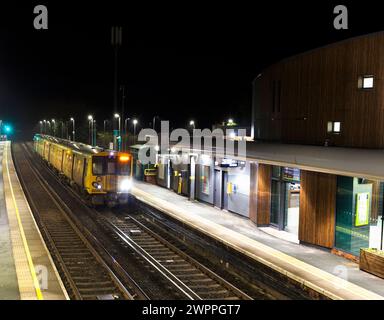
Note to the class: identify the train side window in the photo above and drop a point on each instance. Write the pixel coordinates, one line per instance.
(97, 165)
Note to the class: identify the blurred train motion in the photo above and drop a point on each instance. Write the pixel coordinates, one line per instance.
(100, 176)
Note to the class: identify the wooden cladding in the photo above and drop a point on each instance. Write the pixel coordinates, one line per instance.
(264, 173)
(253, 192)
(317, 208)
(296, 98)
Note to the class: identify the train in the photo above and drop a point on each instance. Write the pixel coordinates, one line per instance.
(101, 176)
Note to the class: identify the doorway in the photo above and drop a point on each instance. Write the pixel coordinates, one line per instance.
(285, 199)
(217, 189)
(225, 191)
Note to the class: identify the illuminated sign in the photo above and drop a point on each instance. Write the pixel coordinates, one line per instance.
(362, 209)
(291, 174)
(228, 163)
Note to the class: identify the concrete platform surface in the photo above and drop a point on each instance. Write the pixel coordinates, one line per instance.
(318, 269)
(9, 288)
(28, 262)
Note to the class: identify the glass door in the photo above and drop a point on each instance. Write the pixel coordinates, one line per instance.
(291, 207)
(275, 203)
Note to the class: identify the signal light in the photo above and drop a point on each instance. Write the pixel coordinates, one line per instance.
(124, 158)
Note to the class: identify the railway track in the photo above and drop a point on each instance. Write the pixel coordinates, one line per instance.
(189, 278)
(84, 272)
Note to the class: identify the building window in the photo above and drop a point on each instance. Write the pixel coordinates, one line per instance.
(334, 127)
(365, 82)
(359, 214)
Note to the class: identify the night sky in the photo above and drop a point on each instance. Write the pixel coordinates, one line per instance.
(178, 61)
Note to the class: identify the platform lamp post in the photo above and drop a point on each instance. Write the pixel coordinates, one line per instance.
(94, 133)
(54, 127)
(49, 127)
(154, 122)
(90, 128)
(40, 124)
(118, 135)
(105, 126)
(192, 124)
(62, 129)
(126, 129)
(105, 131)
(45, 126)
(73, 128)
(134, 128)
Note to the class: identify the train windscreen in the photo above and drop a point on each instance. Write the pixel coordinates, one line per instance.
(105, 165)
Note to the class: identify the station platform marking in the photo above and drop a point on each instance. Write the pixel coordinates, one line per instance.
(312, 277)
(37, 275)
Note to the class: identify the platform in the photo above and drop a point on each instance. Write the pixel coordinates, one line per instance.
(27, 271)
(331, 275)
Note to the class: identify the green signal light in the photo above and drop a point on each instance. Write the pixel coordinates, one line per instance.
(7, 129)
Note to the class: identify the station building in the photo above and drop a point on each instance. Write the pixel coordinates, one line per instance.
(323, 114)
(314, 172)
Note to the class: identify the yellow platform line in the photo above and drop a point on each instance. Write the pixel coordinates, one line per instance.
(39, 295)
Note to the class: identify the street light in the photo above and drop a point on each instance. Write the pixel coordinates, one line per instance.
(40, 122)
(117, 116)
(73, 128)
(49, 127)
(230, 121)
(154, 122)
(45, 126)
(126, 125)
(134, 127)
(90, 128)
(94, 143)
(192, 124)
(54, 127)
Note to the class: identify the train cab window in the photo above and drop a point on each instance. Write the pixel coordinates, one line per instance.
(124, 164)
(124, 168)
(97, 165)
(111, 166)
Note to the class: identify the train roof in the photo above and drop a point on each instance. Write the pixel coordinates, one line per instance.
(75, 146)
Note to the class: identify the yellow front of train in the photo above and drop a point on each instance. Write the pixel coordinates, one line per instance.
(110, 178)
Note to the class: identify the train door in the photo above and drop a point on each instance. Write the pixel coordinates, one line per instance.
(84, 171)
(72, 165)
(62, 160)
(184, 182)
(225, 190)
(217, 189)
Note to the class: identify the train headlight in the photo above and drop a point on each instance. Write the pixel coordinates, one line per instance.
(125, 185)
(96, 185)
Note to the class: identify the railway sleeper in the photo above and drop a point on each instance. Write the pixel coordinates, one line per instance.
(97, 291)
(219, 294)
(92, 284)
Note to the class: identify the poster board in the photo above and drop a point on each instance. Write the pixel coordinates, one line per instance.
(362, 209)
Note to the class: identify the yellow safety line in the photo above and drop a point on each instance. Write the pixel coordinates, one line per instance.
(39, 295)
